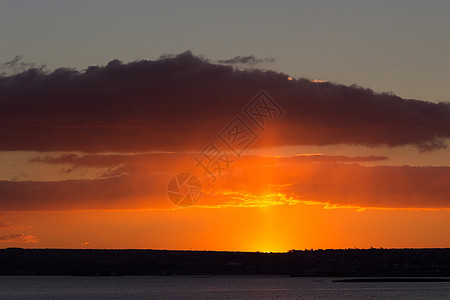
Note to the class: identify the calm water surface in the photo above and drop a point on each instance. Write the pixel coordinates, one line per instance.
(211, 287)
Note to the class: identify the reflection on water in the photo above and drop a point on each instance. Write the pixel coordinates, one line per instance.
(212, 287)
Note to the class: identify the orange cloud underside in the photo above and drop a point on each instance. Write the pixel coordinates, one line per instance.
(259, 204)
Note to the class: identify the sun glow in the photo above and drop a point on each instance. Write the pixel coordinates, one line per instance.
(269, 248)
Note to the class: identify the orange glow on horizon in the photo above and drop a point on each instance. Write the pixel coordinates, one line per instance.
(265, 203)
(266, 229)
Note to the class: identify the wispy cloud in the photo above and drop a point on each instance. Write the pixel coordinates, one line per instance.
(252, 181)
(246, 60)
(19, 238)
(7, 225)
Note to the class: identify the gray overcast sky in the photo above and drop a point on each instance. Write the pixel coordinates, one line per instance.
(398, 46)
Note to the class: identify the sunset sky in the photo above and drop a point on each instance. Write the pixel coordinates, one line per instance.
(326, 125)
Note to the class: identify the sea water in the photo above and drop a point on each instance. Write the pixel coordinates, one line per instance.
(212, 287)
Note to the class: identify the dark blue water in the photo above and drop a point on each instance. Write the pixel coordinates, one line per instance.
(210, 287)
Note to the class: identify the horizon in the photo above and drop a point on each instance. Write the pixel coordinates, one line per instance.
(233, 251)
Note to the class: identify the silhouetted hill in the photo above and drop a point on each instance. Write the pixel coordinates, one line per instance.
(350, 262)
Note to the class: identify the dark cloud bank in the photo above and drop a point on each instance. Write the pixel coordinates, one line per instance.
(181, 102)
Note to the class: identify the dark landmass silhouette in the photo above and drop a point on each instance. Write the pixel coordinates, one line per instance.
(395, 279)
(349, 262)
